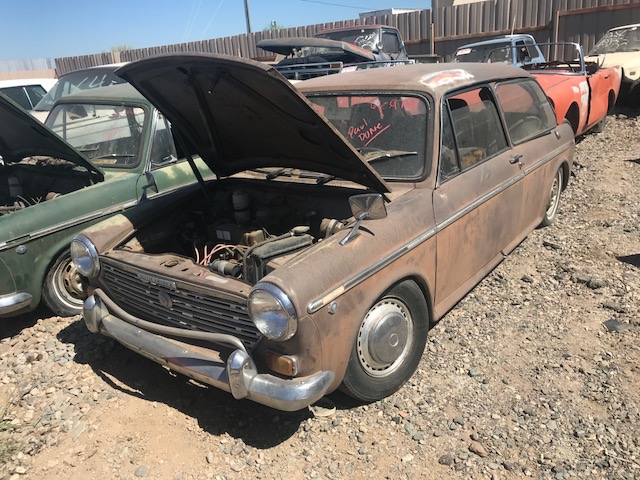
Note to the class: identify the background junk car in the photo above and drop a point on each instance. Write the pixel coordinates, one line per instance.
(620, 46)
(321, 261)
(49, 191)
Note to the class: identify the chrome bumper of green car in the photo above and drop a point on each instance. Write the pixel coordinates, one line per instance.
(14, 302)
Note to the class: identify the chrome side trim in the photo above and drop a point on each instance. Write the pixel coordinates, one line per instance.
(317, 304)
(66, 224)
(353, 281)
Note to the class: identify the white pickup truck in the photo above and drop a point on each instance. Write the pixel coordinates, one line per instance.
(518, 49)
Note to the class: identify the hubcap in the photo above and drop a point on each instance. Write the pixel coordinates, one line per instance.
(385, 337)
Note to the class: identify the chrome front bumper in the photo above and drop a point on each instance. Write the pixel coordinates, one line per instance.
(238, 375)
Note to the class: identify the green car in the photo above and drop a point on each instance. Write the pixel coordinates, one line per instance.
(117, 150)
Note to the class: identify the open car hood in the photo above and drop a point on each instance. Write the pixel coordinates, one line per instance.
(23, 136)
(239, 115)
(286, 46)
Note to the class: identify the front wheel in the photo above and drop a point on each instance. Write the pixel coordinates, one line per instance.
(389, 344)
(64, 290)
(554, 199)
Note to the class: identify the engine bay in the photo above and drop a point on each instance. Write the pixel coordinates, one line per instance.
(37, 179)
(245, 232)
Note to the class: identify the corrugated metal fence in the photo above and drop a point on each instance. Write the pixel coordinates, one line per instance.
(441, 32)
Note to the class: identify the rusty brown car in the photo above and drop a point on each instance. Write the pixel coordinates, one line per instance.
(349, 214)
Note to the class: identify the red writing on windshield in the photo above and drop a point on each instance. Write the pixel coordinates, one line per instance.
(365, 132)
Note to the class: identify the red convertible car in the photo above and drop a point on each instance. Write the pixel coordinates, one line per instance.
(581, 92)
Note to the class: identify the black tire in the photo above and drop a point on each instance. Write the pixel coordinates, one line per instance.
(553, 204)
(399, 320)
(64, 289)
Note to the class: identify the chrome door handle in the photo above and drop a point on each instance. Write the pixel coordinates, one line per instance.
(516, 159)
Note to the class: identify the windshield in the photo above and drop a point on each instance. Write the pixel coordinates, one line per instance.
(108, 135)
(367, 38)
(620, 40)
(76, 81)
(388, 130)
(499, 51)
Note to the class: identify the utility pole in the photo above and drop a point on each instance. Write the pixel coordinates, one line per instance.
(246, 14)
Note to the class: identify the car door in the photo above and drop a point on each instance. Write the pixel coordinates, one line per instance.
(532, 130)
(598, 95)
(478, 196)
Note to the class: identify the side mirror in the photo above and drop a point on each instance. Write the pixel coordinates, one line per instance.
(368, 206)
(151, 185)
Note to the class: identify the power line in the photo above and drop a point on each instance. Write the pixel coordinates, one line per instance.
(211, 19)
(335, 4)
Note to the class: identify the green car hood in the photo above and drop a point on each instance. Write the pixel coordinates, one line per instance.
(23, 136)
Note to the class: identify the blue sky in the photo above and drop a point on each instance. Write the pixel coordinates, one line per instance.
(50, 29)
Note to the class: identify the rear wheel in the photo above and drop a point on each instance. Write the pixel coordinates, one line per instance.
(554, 199)
(64, 290)
(389, 344)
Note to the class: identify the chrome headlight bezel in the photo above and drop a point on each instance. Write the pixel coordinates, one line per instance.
(272, 312)
(85, 256)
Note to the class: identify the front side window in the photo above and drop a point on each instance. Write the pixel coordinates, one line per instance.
(390, 131)
(391, 42)
(527, 111)
(477, 128)
(108, 135)
(35, 93)
(163, 150)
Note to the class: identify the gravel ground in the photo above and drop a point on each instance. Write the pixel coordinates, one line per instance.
(535, 373)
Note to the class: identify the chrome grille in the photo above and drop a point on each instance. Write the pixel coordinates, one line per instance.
(190, 309)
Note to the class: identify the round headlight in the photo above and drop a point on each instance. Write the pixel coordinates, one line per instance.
(272, 312)
(85, 256)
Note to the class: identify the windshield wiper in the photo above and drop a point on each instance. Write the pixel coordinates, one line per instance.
(279, 172)
(116, 155)
(386, 154)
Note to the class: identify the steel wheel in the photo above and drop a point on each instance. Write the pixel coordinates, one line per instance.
(554, 199)
(64, 289)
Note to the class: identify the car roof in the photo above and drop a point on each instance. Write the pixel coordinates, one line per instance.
(122, 92)
(46, 83)
(624, 27)
(435, 79)
(496, 40)
(109, 66)
(353, 27)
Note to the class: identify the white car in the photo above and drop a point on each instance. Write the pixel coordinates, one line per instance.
(26, 92)
(621, 47)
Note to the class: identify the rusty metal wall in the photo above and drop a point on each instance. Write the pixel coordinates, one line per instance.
(590, 25)
(583, 21)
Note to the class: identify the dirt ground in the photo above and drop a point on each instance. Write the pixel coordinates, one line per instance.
(536, 373)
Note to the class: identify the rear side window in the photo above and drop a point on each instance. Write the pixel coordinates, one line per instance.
(477, 131)
(526, 108)
(18, 95)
